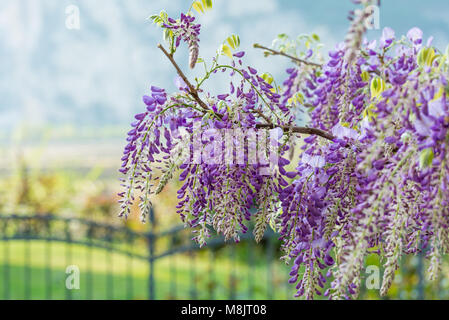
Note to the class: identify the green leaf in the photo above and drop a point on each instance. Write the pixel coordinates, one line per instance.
(369, 112)
(267, 77)
(297, 98)
(426, 57)
(207, 4)
(231, 43)
(236, 40)
(282, 36)
(156, 19)
(202, 6)
(425, 158)
(167, 35)
(226, 51)
(307, 44)
(163, 15)
(365, 76)
(160, 18)
(198, 7)
(377, 87)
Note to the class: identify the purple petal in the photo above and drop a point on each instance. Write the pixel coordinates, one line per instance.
(148, 100)
(239, 54)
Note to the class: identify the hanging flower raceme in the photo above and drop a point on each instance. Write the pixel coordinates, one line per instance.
(185, 29)
(372, 175)
(381, 185)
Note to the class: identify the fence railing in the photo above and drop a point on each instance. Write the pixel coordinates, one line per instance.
(135, 265)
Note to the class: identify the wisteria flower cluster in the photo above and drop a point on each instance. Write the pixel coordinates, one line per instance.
(372, 174)
(184, 29)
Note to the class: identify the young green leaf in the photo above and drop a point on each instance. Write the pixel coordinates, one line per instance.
(198, 7)
(377, 87)
(315, 37)
(202, 6)
(231, 42)
(207, 4)
(425, 158)
(426, 57)
(226, 51)
(365, 76)
(267, 77)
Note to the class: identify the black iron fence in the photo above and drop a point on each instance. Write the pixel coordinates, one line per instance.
(136, 265)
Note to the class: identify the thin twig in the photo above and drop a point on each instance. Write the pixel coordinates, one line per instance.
(303, 130)
(275, 53)
(192, 91)
(269, 125)
(260, 113)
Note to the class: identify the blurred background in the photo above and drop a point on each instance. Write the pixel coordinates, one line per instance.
(67, 98)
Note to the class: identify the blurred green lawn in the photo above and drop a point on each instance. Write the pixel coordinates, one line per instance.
(114, 268)
(113, 275)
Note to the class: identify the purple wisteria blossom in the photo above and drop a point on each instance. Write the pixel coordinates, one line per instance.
(372, 174)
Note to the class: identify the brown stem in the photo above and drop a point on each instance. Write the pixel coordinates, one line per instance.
(269, 125)
(261, 114)
(192, 91)
(279, 53)
(303, 130)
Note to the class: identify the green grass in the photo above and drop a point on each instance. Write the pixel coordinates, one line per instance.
(34, 270)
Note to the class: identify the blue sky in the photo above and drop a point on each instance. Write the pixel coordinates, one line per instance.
(97, 75)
